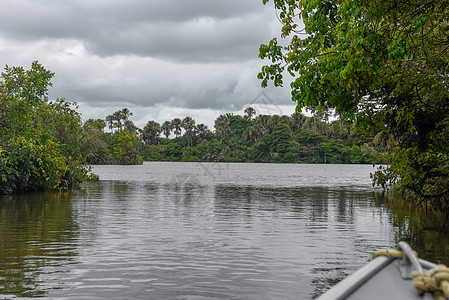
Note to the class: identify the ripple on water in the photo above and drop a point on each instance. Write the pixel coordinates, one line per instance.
(246, 232)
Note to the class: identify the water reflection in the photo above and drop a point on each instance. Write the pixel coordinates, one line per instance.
(326, 233)
(186, 238)
(38, 236)
(426, 231)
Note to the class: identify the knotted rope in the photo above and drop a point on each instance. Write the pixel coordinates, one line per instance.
(435, 280)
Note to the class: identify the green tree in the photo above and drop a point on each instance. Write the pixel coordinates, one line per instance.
(129, 126)
(381, 63)
(166, 128)
(250, 112)
(42, 145)
(176, 124)
(254, 133)
(95, 144)
(125, 148)
(222, 128)
(110, 121)
(203, 133)
(238, 126)
(281, 140)
(297, 121)
(97, 124)
(189, 126)
(31, 84)
(151, 133)
(259, 152)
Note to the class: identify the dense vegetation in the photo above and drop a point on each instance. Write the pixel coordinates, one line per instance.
(46, 146)
(383, 64)
(42, 144)
(248, 138)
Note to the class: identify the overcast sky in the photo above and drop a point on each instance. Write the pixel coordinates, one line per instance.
(160, 58)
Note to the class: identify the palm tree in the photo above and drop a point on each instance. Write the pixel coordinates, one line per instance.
(202, 132)
(273, 121)
(265, 122)
(118, 117)
(255, 133)
(151, 132)
(176, 124)
(189, 125)
(222, 128)
(297, 121)
(125, 114)
(110, 122)
(130, 127)
(250, 112)
(166, 128)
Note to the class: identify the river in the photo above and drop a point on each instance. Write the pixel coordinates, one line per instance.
(166, 230)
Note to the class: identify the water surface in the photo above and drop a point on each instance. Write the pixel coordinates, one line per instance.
(195, 231)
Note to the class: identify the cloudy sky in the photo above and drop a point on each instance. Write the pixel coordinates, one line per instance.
(160, 58)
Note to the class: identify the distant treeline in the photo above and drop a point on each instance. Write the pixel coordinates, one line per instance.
(263, 138)
(45, 145)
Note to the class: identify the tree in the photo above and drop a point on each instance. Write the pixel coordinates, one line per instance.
(222, 128)
(42, 145)
(297, 121)
(189, 125)
(129, 127)
(31, 84)
(119, 119)
(151, 132)
(250, 112)
(176, 124)
(94, 142)
(281, 138)
(125, 114)
(110, 121)
(124, 148)
(238, 126)
(96, 123)
(124, 145)
(255, 133)
(383, 64)
(166, 128)
(202, 132)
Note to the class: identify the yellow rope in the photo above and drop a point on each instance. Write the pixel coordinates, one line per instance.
(389, 253)
(435, 280)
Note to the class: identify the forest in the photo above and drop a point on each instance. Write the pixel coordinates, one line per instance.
(249, 138)
(46, 145)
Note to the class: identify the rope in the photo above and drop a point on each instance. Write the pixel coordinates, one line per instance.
(435, 280)
(389, 253)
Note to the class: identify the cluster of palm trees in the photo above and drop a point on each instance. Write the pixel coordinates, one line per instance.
(262, 124)
(152, 130)
(120, 119)
(253, 127)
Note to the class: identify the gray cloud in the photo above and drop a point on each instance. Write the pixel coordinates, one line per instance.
(199, 30)
(158, 56)
(150, 82)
